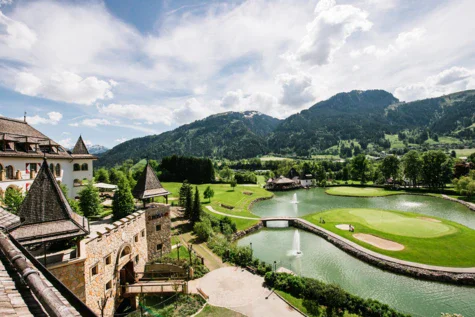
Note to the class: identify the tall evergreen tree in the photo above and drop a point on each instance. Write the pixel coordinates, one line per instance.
(123, 201)
(183, 193)
(188, 202)
(196, 211)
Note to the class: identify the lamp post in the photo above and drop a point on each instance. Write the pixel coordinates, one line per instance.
(178, 250)
(251, 249)
(275, 266)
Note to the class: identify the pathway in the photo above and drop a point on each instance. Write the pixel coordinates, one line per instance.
(232, 216)
(241, 291)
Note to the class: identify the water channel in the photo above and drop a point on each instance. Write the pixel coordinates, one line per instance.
(321, 260)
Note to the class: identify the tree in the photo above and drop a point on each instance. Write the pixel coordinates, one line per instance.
(436, 168)
(226, 174)
(196, 211)
(203, 230)
(73, 203)
(390, 166)
(411, 165)
(13, 199)
(101, 175)
(114, 176)
(183, 193)
(208, 193)
(233, 183)
(188, 202)
(359, 168)
(123, 201)
(89, 200)
(346, 173)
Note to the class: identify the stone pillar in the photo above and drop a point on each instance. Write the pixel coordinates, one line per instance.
(3, 176)
(18, 174)
(32, 174)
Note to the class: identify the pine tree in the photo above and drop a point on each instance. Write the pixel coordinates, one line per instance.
(183, 193)
(188, 202)
(123, 201)
(196, 211)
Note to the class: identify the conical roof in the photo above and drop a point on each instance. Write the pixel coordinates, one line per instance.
(45, 214)
(148, 185)
(80, 147)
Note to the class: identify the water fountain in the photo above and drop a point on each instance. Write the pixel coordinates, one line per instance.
(296, 245)
(294, 199)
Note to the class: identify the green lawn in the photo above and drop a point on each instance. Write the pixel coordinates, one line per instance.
(464, 152)
(362, 191)
(443, 243)
(213, 311)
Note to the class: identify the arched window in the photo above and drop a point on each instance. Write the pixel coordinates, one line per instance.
(58, 170)
(51, 168)
(84, 167)
(76, 167)
(9, 172)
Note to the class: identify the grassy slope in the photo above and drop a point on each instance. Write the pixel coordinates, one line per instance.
(464, 152)
(223, 193)
(213, 311)
(454, 250)
(362, 191)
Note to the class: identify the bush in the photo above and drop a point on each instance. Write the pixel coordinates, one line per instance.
(89, 201)
(13, 199)
(203, 230)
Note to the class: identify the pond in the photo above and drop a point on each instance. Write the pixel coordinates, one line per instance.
(322, 260)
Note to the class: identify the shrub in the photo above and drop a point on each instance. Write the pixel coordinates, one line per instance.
(13, 199)
(203, 230)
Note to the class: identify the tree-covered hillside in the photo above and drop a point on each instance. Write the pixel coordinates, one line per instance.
(362, 118)
(232, 134)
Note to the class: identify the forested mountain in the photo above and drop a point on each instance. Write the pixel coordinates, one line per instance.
(363, 116)
(232, 134)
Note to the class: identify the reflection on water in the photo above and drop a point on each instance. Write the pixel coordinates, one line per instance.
(315, 200)
(322, 260)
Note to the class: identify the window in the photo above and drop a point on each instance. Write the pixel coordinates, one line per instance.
(95, 270)
(108, 259)
(158, 227)
(76, 167)
(136, 238)
(9, 172)
(51, 168)
(143, 233)
(84, 167)
(136, 259)
(33, 167)
(159, 247)
(109, 285)
(77, 183)
(57, 170)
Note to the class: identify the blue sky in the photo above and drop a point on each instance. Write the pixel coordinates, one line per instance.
(114, 70)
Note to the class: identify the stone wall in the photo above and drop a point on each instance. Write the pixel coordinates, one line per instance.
(71, 274)
(158, 215)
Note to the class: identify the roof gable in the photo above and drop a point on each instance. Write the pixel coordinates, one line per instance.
(80, 147)
(148, 185)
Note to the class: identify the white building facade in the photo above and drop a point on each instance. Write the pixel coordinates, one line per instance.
(23, 149)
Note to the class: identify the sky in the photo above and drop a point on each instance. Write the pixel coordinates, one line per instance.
(116, 70)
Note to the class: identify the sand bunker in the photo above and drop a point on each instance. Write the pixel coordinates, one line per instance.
(379, 242)
(429, 219)
(343, 227)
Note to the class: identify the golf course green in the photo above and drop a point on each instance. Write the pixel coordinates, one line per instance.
(426, 240)
(362, 191)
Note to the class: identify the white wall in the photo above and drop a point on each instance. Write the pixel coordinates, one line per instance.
(67, 174)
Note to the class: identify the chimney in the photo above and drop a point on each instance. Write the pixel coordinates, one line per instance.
(24, 117)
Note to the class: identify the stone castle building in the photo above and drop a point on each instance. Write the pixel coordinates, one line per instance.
(22, 149)
(108, 256)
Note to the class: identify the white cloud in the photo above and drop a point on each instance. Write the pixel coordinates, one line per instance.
(328, 32)
(67, 143)
(5, 2)
(64, 86)
(142, 113)
(15, 34)
(297, 90)
(192, 110)
(121, 140)
(447, 81)
(403, 41)
(53, 118)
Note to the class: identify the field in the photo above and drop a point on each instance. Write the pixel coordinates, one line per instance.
(224, 194)
(427, 240)
(464, 152)
(362, 191)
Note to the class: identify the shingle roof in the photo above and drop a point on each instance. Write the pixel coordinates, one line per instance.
(45, 213)
(80, 147)
(18, 132)
(148, 185)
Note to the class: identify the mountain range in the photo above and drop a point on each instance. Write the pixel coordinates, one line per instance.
(363, 116)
